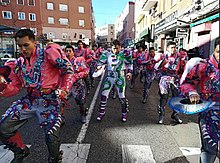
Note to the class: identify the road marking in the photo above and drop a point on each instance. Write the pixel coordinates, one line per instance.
(85, 126)
(191, 154)
(75, 153)
(137, 154)
(7, 155)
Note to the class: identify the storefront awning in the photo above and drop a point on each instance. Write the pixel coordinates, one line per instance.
(4, 28)
(205, 20)
(144, 33)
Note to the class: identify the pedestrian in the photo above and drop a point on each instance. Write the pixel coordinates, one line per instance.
(117, 61)
(205, 75)
(82, 51)
(169, 68)
(81, 71)
(138, 55)
(48, 77)
(147, 63)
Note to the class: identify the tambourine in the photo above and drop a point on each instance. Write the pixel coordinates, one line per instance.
(98, 72)
(5, 71)
(183, 105)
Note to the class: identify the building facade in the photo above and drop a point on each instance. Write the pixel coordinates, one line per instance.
(127, 34)
(18, 14)
(105, 34)
(67, 21)
(190, 23)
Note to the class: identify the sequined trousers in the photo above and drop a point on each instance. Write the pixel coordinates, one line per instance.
(209, 123)
(47, 110)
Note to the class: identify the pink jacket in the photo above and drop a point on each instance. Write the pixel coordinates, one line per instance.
(81, 69)
(174, 63)
(51, 69)
(147, 61)
(206, 76)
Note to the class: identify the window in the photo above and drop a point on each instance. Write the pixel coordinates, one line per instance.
(31, 2)
(111, 33)
(32, 17)
(20, 2)
(34, 30)
(21, 16)
(50, 6)
(111, 27)
(6, 15)
(173, 2)
(5, 1)
(51, 35)
(50, 20)
(63, 21)
(81, 23)
(63, 7)
(81, 9)
(64, 35)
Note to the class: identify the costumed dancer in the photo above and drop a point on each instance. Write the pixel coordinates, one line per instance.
(81, 71)
(147, 63)
(171, 68)
(40, 72)
(137, 68)
(95, 54)
(116, 61)
(83, 52)
(205, 75)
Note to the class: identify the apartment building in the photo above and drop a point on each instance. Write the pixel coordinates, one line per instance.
(191, 23)
(18, 14)
(105, 34)
(125, 22)
(67, 21)
(21, 14)
(143, 22)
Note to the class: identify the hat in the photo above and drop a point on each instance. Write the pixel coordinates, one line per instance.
(184, 105)
(5, 71)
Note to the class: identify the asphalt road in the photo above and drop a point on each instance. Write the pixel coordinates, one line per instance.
(107, 137)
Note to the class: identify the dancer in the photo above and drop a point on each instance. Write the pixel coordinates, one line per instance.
(81, 71)
(40, 72)
(205, 75)
(170, 68)
(116, 61)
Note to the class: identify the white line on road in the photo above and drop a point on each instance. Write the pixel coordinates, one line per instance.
(85, 126)
(7, 155)
(137, 154)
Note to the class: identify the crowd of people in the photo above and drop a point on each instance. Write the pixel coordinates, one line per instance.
(53, 74)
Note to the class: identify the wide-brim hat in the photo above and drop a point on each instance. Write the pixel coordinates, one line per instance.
(183, 105)
(5, 71)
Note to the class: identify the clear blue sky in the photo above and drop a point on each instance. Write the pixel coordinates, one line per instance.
(107, 10)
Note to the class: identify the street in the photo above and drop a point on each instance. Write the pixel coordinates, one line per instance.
(140, 139)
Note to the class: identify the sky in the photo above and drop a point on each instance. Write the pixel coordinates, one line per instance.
(106, 11)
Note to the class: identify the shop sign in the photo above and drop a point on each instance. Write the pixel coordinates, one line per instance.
(168, 19)
(182, 32)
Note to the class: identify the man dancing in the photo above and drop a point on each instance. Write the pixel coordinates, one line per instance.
(81, 71)
(117, 61)
(205, 75)
(48, 77)
(170, 67)
(148, 72)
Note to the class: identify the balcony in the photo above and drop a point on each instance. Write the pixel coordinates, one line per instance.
(149, 4)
